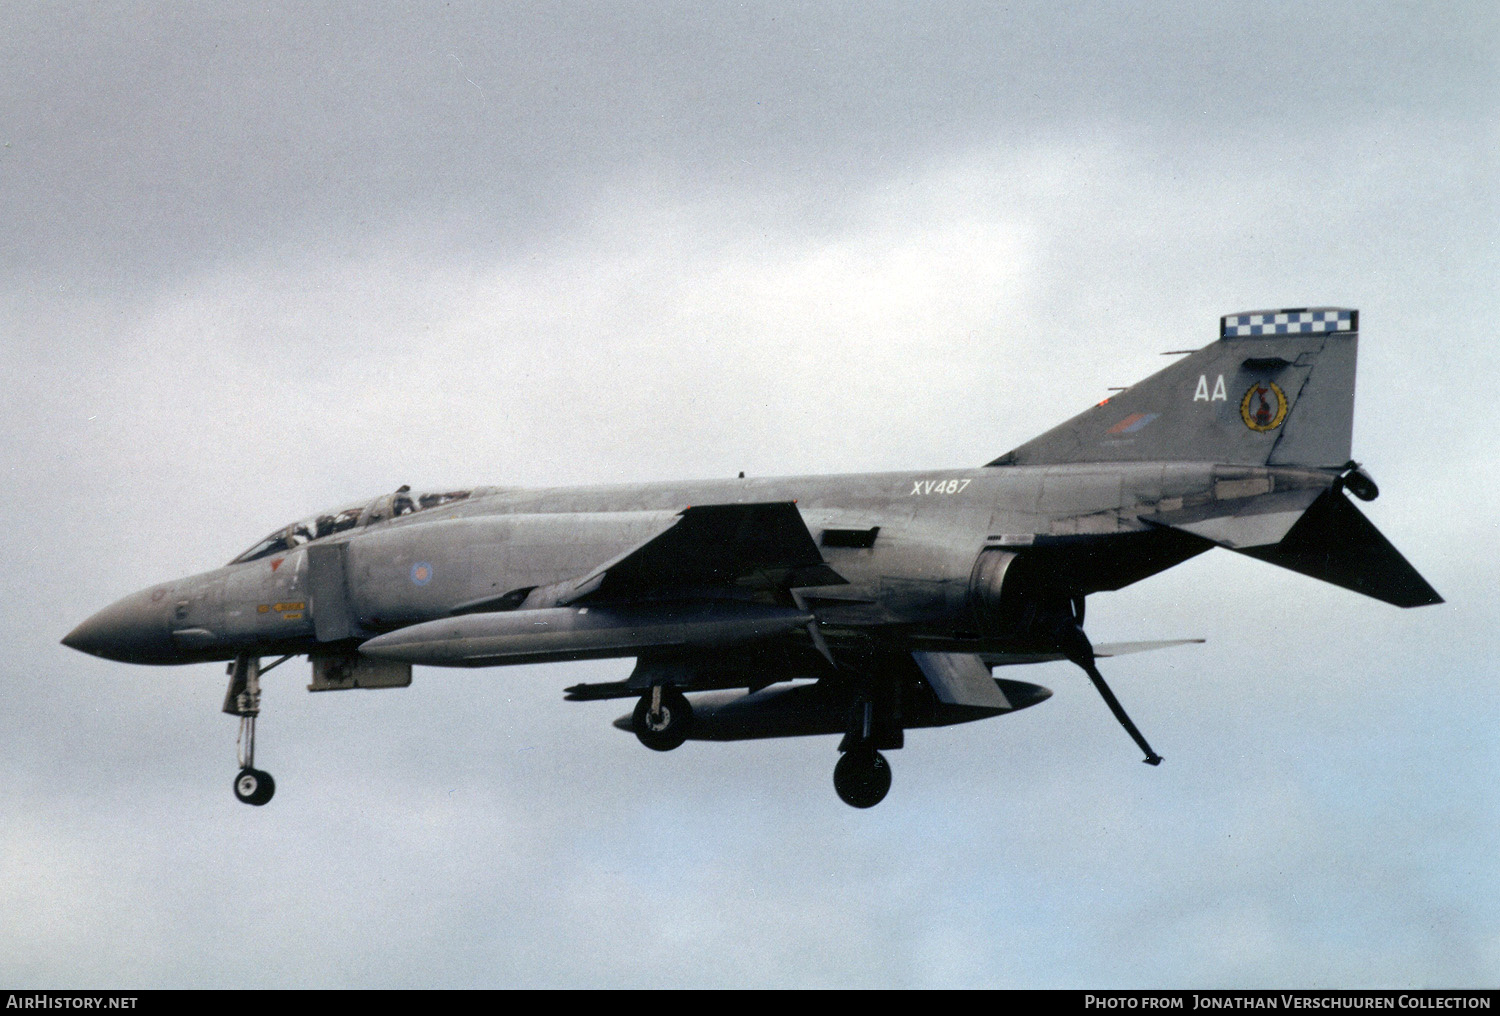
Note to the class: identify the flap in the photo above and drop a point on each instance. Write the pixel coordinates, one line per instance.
(961, 679)
(720, 544)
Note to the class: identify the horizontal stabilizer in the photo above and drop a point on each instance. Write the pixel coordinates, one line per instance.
(1333, 541)
(961, 679)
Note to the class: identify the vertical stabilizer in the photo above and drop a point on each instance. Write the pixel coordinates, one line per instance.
(1277, 388)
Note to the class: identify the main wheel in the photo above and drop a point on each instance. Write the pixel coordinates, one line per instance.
(664, 728)
(862, 777)
(253, 786)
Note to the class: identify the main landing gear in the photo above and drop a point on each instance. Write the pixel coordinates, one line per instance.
(862, 777)
(662, 718)
(251, 785)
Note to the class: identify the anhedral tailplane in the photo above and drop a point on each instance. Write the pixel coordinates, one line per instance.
(1333, 541)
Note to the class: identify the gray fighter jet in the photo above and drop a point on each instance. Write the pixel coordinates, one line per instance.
(861, 606)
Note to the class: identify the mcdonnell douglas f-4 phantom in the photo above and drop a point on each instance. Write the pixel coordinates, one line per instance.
(860, 605)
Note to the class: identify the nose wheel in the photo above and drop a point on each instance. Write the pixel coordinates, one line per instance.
(254, 786)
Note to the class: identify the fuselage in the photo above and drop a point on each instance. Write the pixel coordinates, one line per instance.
(861, 605)
(906, 544)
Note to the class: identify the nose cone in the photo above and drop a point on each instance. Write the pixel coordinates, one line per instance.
(133, 630)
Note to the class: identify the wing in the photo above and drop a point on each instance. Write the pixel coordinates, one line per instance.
(764, 545)
(680, 591)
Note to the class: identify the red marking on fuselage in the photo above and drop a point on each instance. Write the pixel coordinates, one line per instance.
(1263, 412)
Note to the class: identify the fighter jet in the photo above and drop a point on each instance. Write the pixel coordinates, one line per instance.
(861, 606)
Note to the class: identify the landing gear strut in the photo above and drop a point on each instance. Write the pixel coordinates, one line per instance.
(862, 777)
(662, 718)
(251, 785)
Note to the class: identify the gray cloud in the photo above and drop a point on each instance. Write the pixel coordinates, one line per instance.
(171, 136)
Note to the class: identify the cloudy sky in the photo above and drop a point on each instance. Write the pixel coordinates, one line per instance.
(258, 261)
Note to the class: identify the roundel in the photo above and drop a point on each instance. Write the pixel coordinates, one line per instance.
(1264, 406)
(421, 573)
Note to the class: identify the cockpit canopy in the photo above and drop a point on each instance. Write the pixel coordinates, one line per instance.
(404, 501)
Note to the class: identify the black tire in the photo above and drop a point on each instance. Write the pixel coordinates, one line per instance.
(253, 786)
(670, 727)
(267, 788)
(862, 778)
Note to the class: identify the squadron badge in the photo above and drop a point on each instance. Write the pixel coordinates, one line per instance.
(1263, 407)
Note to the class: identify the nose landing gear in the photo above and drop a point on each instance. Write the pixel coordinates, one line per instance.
(251, 785)
(254, 786)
